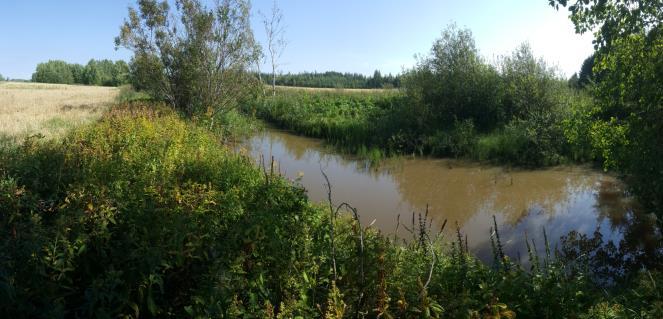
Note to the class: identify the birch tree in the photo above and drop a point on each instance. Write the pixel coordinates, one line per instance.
(276, 43)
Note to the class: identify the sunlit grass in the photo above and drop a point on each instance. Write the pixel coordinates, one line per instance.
(49, 109)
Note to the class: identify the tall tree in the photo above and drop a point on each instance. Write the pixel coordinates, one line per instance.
(276, 42)
(628, 127)
(586, 75)
(53, 71)
(196, 58)
(453, 84)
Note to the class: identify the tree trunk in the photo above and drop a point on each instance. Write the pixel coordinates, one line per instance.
(273, 77)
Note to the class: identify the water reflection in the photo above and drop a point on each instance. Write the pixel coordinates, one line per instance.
(560, 199)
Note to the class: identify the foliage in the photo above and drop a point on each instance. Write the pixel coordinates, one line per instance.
(194, 57)
(338, 80)
(344, 118)
(102, 72)
(453, 83)
(105, 72)
(129, 94)
(612, 20)
(453, 104)
(53, 71)
(586, 75)
(577, 126)
(133, 215)
(459, 141)
(628, 63)
(530, 87)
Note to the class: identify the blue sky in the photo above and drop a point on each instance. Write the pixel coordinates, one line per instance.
(342, 35)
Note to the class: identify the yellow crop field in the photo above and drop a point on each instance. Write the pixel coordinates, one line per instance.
(49, 109)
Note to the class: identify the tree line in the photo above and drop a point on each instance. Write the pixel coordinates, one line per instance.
(95, 72)
(332, 79)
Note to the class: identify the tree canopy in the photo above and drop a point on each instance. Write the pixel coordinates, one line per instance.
(195, 57)
(628, 123)
(331, 79)
(95, 72)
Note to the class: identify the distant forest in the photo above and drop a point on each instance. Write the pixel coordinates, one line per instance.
(95, 72)
(116, 73)
(333, 79)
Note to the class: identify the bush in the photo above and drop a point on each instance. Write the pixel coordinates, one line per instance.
(453, 83)
(459, 141)
(196, 57)
(134, 214)
(129, 94)
(538, 141)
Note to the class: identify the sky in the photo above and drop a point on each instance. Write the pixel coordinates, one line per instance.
(356, 36)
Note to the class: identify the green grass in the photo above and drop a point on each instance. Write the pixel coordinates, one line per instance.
(353, 121)
(128, 94)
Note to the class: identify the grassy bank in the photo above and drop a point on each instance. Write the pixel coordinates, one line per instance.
(384, 123)
(145, 214)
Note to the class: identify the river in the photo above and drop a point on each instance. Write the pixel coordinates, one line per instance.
(559, 199)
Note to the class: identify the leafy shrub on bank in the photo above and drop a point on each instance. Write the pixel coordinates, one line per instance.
(131, 215)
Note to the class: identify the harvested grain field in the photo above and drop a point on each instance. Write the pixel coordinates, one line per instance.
(49, 109)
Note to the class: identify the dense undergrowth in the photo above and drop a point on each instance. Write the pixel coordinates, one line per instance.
(144, 214)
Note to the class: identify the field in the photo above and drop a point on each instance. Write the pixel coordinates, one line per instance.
(49, 109)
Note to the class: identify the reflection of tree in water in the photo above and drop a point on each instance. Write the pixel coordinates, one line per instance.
(300, 148)
(641, 243)
(458, 191)
(622, 239)
(295, 145)
(613, 204)
(640, 247)
(559, 199)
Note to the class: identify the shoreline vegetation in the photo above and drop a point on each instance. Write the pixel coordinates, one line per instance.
(517, 112)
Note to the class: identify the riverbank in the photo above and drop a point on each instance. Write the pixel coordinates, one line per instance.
(144, 212)
(381, 124)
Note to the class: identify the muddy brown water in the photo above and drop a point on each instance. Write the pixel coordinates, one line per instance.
(559, 199)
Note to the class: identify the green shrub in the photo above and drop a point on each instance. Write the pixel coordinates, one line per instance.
(457, 142)
(505, 145)
(133, 215)
(129, 94)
